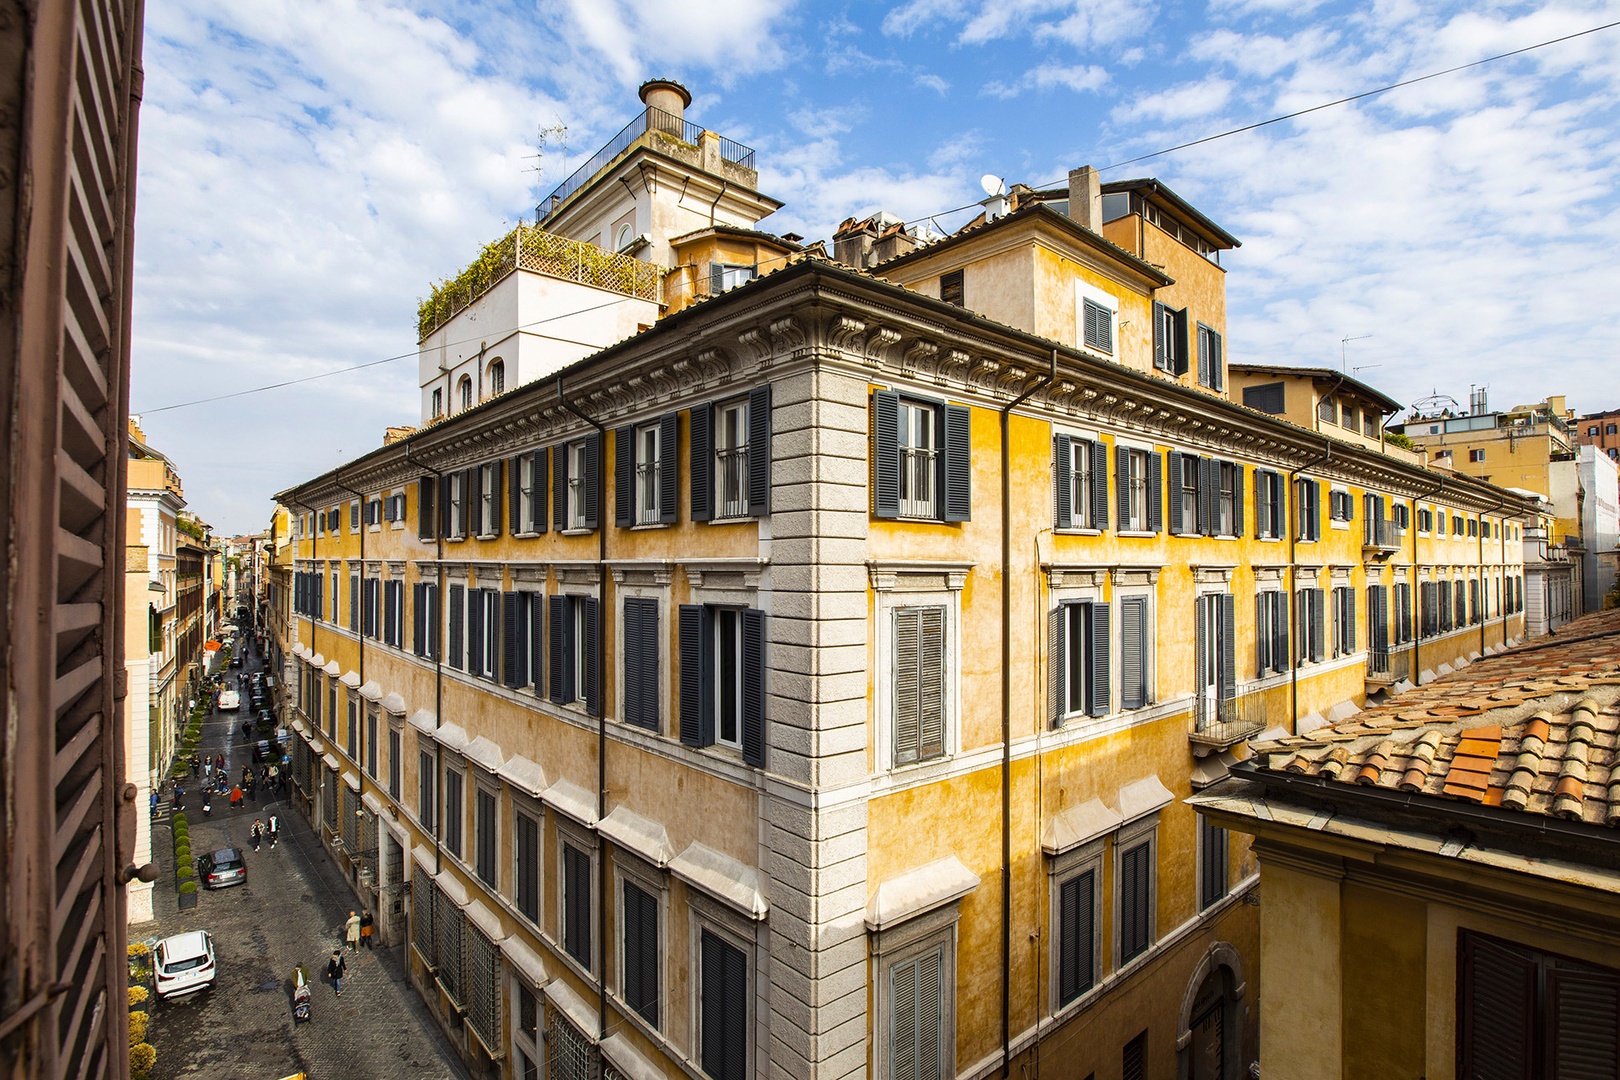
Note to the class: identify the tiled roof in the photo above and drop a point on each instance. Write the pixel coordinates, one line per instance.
(1533, 730)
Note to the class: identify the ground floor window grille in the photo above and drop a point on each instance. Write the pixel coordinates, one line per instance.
(449, 928)
(483, 990)
(424, 905)
(329, 811)
(569, 1054)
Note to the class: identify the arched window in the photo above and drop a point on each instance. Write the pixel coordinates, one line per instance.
(622, 241)
(465, 387)
(497, 377)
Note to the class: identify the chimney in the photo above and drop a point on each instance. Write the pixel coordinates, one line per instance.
(852, 243)
(666, 95)
(893, 241)
(1085, 198)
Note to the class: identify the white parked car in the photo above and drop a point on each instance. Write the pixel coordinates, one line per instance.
(229, 700)
(184, 963)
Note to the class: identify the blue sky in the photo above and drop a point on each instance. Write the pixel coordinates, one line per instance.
(308, 167)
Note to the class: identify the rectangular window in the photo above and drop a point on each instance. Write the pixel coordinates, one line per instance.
(371, 741)
(919, 453)
(1266, 398)
(722, 678)
(1078, 660)
(487, 513)
(644, 478)
(1369, 424)
(1213, 848)
(723, 1011)
(1079, 483)
(578, 467)
(425, 620)
(526, 866)
(730, 466)
(1135, 644)
(1097, 326)
(424, 789)
(917, 999)
(438, 402)
(1403, 612)
(1271, 632)
(723, 276)
(1476, 455)
(455, 506)
(1133, 1060)
(921, 460)
(1522, 1012)
(1134, 900)
(1344, 621)
(1268, 504)
(1327, 411)
(648, 464)
(1170, 339)
(484, 823)
(1211, 362)
(1310, 640)
(1307, 509)
(528, 509)
(1077, 941)
(919, 684)
(1138, 480)
(641, 672)
(952, 292)
(351, 744)
(640, 952)
(395, 766)
(1185, 495)
(453, 812)
(731, 459)
(576, 903)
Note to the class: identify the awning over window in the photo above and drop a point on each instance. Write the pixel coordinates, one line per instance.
(526, 962)
(643, 836)
(628, 1060)
(485, 753)
(317, 659)
(1078, 825)
(571, 799)
(1143, 797)
(453, 888)
(395, 704)
(486, 921)
(921, 890)
(451, 736)
(523, 774)
(422, 720)
(333, 668)
(371, 691)
(722, 877)
(566, 1001)
(352, 781)
(370, 801)
(351, 679)
(331, 762)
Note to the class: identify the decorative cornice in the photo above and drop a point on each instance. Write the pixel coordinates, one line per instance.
(918, 574)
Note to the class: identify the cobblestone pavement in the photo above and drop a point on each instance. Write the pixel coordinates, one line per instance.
(290, 912)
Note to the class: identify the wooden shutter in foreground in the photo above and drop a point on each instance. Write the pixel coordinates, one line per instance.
(759, 451)
(701, 462)
(886, 453)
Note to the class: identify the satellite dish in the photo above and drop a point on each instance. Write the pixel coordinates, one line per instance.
(993, 185)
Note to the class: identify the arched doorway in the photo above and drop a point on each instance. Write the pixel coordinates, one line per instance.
(1210, 1039)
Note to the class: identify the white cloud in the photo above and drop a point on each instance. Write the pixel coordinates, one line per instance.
(1080, 78)
(1081, 24)
(1186, 102)
(729, 37)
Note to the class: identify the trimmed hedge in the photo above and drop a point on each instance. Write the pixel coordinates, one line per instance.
(188, 886)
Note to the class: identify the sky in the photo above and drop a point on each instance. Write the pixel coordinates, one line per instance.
(308, 168)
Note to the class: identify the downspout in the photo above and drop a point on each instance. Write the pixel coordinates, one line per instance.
(438, 653)
(1417, 630)
(1044, 381)
(601, 713)
(724, 184)
(360, 622)
(314, 538)
(1293, 578)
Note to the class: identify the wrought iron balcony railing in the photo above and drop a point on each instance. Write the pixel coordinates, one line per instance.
(1220, 723)
(1384, 535)
(1389, 664)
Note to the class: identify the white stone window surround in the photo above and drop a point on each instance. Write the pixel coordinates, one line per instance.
(627, 867)
(1128, 442)
(581, 838)
(1083, 292)
(916, 936)
(527, 805)
(1061, 868)
(917, 583)
(704, 912)
(1093, 435)
(1344, 493)
(650, 581)
(1129, 836)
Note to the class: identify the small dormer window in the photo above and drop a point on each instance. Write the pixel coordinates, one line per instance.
(497, 377)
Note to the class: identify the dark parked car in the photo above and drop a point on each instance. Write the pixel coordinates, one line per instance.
(220, 868)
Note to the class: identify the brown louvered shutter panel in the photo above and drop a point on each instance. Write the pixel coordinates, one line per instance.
(1496, 988)
(1583, 1006)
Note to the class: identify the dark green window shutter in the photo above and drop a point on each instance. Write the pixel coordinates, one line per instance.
(354, 603)
(562, 676)
(475, 631)
(469, 489)
(701, 464)
(1056, 665)
(641, 952)
(723, 994)
(1133, 632)
(1497, 1015)
(1318, 623)
(511, 656)
(958, 463)
(669, 471)
(1209, 476)
(697, 685)
(886, 453)
(458, 612)
(1262, 502)
(445, 509)
(1134, 919)
(1099, 485)
(1076, 951)
(1062, 501)
(498, 468)
(1316, 509)
(590, 628)
(1155, 488)
(537, 641)
(1228, 683)
(514, 495)
(1177, 491)
(1180, 338)
(538, 502)
(624, 471)
(1238, 480)
(559, 485)
(426, 519)
(1262, 633)
(1097, 694)
(577, 904)
(1122, 484)
(753, 687)
(1279, 631)
(592, 487)
(759, 451)
(1203, 359)
(419, 618)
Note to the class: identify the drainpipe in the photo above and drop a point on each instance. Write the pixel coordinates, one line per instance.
(1293, 578)
(601, 713)
(1417, 630)
(314, 542)
(1006, 715)
(360, 621)
(712, 206)
(438, 656)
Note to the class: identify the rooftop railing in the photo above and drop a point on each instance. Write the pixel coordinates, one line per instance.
(650, 119)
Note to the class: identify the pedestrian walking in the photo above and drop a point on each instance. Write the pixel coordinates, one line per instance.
(256, 834)
(236, 798)
(367, 928)
(247, 788)
(196, 765)
(275, 831)
(351, 931)
(334, 971)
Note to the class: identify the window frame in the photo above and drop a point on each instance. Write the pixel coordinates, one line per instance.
(630, 871)
(572, 836)
(453, 827)
(1128, 838)
(1088, 300)
(891, 623)
(526, 810)
(1089, 857)
(732, 440)
(905, 943)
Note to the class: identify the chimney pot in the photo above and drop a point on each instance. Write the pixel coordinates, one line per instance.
(666, 95)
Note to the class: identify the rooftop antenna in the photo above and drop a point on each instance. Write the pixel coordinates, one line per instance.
(558, 133)
(1364, 367)
(996, 188)
(1343, 362)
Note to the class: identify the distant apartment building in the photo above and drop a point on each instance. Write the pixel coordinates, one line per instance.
(1602, 430)
(811, 683)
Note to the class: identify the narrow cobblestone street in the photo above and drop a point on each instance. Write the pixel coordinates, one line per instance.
(290, 912)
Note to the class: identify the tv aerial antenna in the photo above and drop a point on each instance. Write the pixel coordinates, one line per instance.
(1343, 354)
(557, 134)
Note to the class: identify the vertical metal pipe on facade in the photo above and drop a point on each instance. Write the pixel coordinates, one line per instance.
(360, 637)
(1293, 581)
(438, 658)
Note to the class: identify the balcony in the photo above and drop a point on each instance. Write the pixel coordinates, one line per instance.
(1388, 666)
(1383, 539)
(1218, 725)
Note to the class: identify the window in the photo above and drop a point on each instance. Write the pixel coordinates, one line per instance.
(351, 744)
(1080, 482)
(1310, 638)
(528, 1027)
(575, 482)
(464, 391)
(1612, 429)
(497, 377)
(1097, 323)
(576, 903)
(645, 475)
(572, 650)
(723, 276)
(354, 516)
(393, 622)
(395, 765)
(1134, 894)
(1213, 848)
(354, 602)
(1526, 1013)
(1476, 455)
(1326, 411)
(484, 824)
(1138, 479)
(1266, 398)
(1271, 632)
(1307, 509)
(336, 592)
(1403, 613)
(723, 678)
(1211, 362)
(952, 292)
(917, 1015)
(1077, 907)
(481, 622)
(1425, 518)
(641, 674)
(487, 500)
(1344, 621)
(1185, 492)
(425, 616)
(1135, 643)
(922, 458)
(1592, 431)
(1077, 661)
(455, 506)
(1350, 417)
(453, 812)
(1133, 1059)
(731, 458)
(1369, 424)
(640, 952)
(1170, 339)
(527, 493)
(1341, 506)
(438, 402)
(371, 741)
(1268, 504)
(723, 1009)
(1206, 496)
(919, 684)
(526, 865)
(371, 603)
(1473, 526)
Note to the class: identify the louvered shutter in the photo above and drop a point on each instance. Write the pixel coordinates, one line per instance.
(759, 451)
(931, 696)
(1155, 486)
(700, 465)
(1262, 633)
(473, 501)
(418, 619)
(537, 501)
(1349, 507)
(511, 655)
(1238, 480)
(1099, 486)
(425, 490)
(1133, 632)
(476, 664)
(446, 521)
(930, 1015)
(1075, 946)
(1318, 623)
(537, 638)
(1279, 631)
(1161, 342)
(692, 680)
(753, 687)
(1228, 684)
(717, 278)
(1122, 485)
(1177, 490)
(1098, 697)
(1583, 1006)
(632, 660)
(1061, 497)
(907, 685)
(1217, 367)
(497, 471)
(669, 471)
(624, 471)
(886, 453)
(559, 485)
(1134, 902)
(592, 487)
(457, 614)
(468, 479)
(1202, 677)
(354, 603)
(558, 668)
(390, 612)
(1057, 668)
(1262, 502)
(1316, 509)
(1497, 1021)
(514, 496)
(590, 627)
(1208, 477)
(1350, 618)
(1203, 360)
(958, 463)
(1179, 338)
